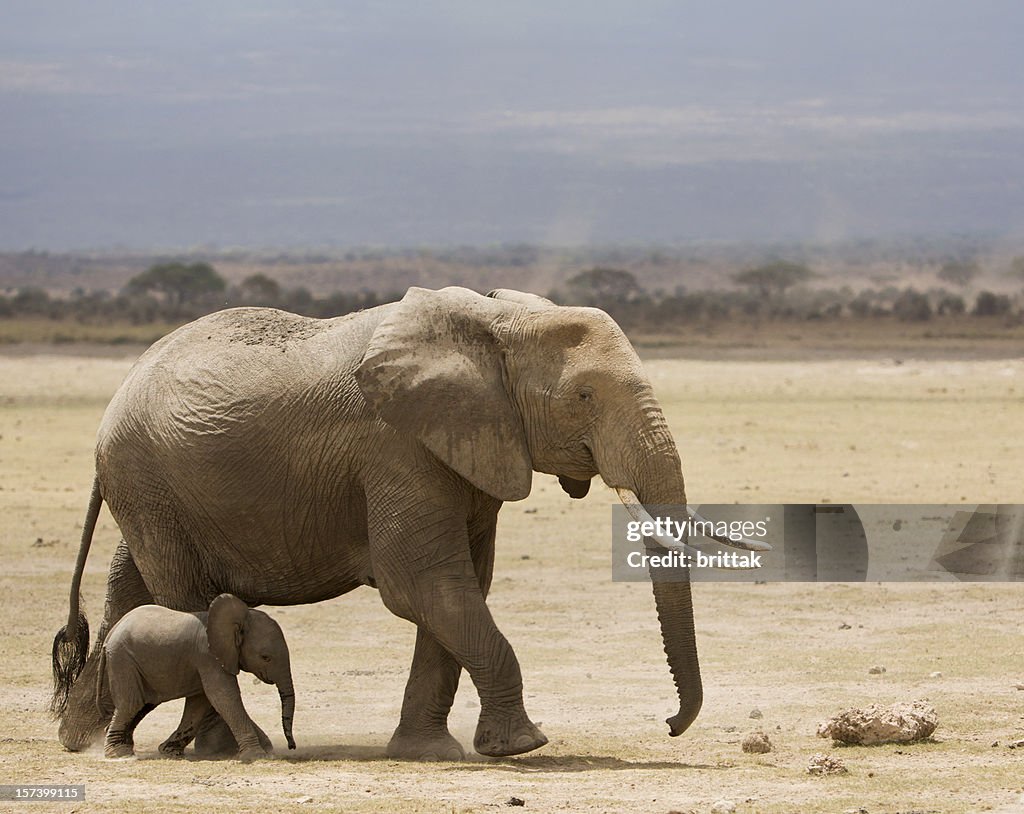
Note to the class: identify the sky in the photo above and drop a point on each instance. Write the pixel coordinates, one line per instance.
(291, 124)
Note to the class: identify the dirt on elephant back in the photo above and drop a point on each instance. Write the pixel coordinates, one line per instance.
(839, 430)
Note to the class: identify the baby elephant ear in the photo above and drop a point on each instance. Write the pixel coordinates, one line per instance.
(224, 630)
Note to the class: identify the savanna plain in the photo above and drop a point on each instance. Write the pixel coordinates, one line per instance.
(841, 427)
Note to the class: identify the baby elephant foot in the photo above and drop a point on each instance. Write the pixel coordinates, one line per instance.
(118, 750)
(504, 736)
(170, 749)
(434, 747)
(253, 753)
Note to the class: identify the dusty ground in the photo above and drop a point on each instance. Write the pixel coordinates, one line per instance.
(829, 429)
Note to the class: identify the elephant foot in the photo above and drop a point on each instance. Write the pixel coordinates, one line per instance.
(404, 746)
(214, 739)
(118, 750)
(502, 737)
(168, 749)
(253, 753)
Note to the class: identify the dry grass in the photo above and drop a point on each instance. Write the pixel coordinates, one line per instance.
(849, 431)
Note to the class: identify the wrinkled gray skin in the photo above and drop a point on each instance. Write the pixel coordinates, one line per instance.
(289, 460)
(154, 654)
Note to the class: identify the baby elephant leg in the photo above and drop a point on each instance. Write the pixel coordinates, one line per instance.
(221, 689)
(197, 710)
(130, 707)
(120, 741)
(214, 739)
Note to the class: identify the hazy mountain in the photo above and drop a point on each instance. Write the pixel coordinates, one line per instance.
(331, 124)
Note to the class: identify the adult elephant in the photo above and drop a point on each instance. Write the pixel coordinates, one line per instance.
(288, 460)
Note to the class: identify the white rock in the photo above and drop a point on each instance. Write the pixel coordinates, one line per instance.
(900, 723)
(824, 765)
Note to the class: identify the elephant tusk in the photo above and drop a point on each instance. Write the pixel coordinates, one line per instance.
(744, 543)
(636, 510)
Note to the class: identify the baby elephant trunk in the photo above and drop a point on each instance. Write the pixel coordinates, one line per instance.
(287, 693)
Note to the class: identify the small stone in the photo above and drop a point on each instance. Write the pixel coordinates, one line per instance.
(756, 743)
(756, 714)
(723, 807)
(845, 626)
(876, 670)
(1019, 686)
(515, 801)
(1016, 744)
(825, 765)
(728, 728)
(995, 743)
(936, 674)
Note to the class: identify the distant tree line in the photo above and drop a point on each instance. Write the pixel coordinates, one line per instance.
(178, 292)
(778, 290)
(773, 291)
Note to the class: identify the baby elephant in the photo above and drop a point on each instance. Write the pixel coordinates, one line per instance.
(154, 654)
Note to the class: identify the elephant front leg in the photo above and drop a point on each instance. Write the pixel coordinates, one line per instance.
(223, 694)
(422, 732)
(201, 722)
(197, 708)
(462, 624)
(433, 582)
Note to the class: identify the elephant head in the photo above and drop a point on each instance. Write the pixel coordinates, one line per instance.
(243, 638)
(500, 386)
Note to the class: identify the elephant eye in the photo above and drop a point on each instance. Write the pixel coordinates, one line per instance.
(586, 394)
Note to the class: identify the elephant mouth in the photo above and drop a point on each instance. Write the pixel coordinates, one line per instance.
(574, 487)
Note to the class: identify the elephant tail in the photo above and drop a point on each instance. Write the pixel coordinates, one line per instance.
(71, 644)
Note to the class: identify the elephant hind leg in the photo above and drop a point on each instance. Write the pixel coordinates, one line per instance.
(120, 740)
(86, 715)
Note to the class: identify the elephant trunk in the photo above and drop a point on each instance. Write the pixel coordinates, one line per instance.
(287, 693)
(675, 613)
(657, 480)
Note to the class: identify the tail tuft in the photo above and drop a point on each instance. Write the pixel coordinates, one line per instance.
(68, 658)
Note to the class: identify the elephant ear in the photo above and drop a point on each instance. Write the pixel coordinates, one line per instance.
(435, 368)
(224, 630)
